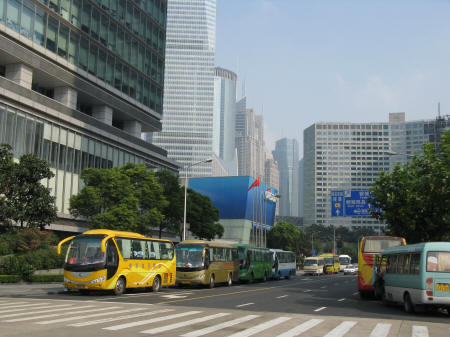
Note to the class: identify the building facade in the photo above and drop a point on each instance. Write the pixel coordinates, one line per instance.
(79, 82)
(188, 123)
(345, 156)
(286, 155)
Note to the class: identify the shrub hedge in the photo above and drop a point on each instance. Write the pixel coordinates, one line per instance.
(9, 278)
(47, 278)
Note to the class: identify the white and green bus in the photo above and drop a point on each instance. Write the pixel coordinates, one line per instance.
(416, 276)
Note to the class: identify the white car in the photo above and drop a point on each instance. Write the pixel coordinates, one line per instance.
(351, 269)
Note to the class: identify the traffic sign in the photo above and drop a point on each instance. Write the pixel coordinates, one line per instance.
(350, 203)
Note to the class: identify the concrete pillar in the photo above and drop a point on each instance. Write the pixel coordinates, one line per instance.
(103, 113)
(133, 127)
(66, 95)
(19, 73)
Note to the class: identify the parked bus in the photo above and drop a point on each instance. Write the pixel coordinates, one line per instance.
(254, 262)
(331, 263)
(416, 276)
(102, 259)
(344, 261)
(206, 263)
(369, 248)
(283, 264)
(313, 265)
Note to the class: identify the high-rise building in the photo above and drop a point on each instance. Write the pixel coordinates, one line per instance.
(224, 118)
(79, 81)
(346, 156)
(272, 175)
(188, 111)
(300, 188)
(286, 154)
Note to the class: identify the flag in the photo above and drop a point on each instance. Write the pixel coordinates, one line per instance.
(255, 183)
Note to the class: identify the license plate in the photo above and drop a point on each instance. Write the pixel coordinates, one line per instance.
(185, 282)
(442, 287)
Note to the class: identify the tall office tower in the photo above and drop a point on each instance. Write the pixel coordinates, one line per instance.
(345, 156)
(286, 154)
(250, 143)
(188, 118)
(300, 188)
(79, 81)
(272, 175)
(224, 118)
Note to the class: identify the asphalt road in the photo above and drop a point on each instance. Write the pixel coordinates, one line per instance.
(330, 301)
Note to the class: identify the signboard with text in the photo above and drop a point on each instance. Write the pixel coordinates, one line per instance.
(350, 203)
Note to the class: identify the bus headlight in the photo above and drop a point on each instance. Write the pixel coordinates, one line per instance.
(97, 280)
(199, 276)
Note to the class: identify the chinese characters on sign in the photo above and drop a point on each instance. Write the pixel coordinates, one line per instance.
(350, 203)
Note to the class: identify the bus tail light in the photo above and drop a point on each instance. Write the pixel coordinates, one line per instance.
(429, 288)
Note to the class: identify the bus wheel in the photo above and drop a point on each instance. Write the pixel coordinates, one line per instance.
(362, 294)
(230, 280)
(251, 278)
(156, 286)
(211, 281)
(407, 303)
(279, 276)
(119, 289)
(265, 277)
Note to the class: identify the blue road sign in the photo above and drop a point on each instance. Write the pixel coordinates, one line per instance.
(350, 203)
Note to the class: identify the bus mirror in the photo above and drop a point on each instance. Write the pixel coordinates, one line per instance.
(63, 242)
(103, 245)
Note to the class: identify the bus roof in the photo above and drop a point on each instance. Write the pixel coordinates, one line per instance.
(313, 257)
(110, 232)
(418, 247)
(206, 243)
(246, 245)
(327, 255)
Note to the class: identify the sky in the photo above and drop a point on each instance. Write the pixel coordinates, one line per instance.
(309, 61)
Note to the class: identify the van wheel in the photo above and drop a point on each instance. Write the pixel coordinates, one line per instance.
(265, 277)
(384, 299)
(211, 281)
(230, 280)
(408, 304)
(119, 289)
(156, 286)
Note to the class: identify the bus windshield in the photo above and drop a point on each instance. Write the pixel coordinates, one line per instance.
(378, 244)
(344, 260)
(190, 256)
(329, 261)
(85, 250)
(310, 262)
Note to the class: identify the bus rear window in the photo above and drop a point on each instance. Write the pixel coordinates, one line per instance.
(377, 245)
(438, 262)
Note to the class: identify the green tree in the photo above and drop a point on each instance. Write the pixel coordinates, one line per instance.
(127, 198)
(174, 194)
(202, 216)
(23, 199)
(286, 236)
(414, 199)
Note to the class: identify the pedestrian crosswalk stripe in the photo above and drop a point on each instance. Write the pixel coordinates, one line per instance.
(263, 326)
(153, 320)
(298, 330)
(55, 308)
(220, 326)
(184, 324)
(23, 305)
(75, 318)
(381, 330)
(34, 308)
(341, 329)
(6, 304)
(111, 319)
(419, 331)
(59, 314)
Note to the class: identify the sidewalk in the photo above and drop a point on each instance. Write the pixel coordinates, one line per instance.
(29, 289)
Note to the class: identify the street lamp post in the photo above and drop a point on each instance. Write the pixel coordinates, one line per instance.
(186, 168)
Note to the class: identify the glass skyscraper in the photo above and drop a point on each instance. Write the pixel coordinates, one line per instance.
(188, 118)
(80, 80)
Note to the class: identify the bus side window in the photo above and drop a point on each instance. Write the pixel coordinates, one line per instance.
(415, 264)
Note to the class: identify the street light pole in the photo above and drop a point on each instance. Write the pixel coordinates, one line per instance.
(185, 191)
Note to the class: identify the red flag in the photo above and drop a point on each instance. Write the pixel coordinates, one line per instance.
(255, 183)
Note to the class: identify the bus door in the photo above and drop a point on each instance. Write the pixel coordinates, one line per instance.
(112, 259)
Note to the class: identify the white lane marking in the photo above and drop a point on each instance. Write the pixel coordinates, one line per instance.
(258, 328)
(8, 304)
(185, 323)
(299, 329)
(174, 297)
(381, 330)
(341, 299)
(60, 314)
(283, 296)
(74, 318)
(220, 326)
(419, 331)
(112, 319)
(323, 287)
(355, 293)
(307, 291)
(341, 329)
(153, 320)
(23, 306)
(244, 305)
(42, 307)
(55, 308)
(320, 309)
(305, 279)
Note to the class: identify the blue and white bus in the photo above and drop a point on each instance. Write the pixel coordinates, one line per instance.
(283, 264)
(416, 276)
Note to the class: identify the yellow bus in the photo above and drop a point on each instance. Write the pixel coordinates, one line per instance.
(332, 265)
(103, 259)
(206, 263)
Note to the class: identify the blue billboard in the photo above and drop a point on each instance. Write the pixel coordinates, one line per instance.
(239, 197)
(350, 203)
